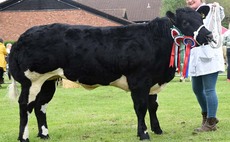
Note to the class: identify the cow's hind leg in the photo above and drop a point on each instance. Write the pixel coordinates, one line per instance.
(27, 100)
(140, 100)
(152, 108)
(25, 110)
(42, 100)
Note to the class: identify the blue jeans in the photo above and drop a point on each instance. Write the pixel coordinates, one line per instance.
(204, 88)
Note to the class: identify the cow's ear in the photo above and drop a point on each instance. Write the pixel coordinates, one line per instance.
(171, 16)
(203, 10)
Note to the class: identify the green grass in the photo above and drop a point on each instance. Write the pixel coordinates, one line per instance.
(106, 115)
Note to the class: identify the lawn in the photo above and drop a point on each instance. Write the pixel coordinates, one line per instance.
(106, 115)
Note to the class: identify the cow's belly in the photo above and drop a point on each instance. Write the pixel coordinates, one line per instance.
(120, 83)
(123, 84)
(156, 89)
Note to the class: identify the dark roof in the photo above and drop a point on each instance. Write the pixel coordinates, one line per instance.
(34, 5)
(136, 10)
(23, 5)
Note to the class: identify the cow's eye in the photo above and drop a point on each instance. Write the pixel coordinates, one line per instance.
(185, 24)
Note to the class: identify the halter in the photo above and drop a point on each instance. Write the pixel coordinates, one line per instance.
(181, 42)
(196, 33)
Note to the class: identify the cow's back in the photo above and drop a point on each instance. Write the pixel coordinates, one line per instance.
(39, 47)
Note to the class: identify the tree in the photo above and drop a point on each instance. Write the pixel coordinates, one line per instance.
(172, 5)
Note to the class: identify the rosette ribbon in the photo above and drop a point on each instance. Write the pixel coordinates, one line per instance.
(189, 43)
(179, 41)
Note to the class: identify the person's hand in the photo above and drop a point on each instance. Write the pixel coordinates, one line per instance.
(216, 4)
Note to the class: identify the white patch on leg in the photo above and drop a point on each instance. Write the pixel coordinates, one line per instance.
(34, 90)
(44, 131)
(43, 108)
(38, 79)
(26, 130)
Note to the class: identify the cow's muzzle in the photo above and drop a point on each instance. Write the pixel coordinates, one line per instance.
(209, 38)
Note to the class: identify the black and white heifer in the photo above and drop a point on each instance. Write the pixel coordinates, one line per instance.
(134, 58)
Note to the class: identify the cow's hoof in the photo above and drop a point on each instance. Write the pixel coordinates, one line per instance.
(22, 140)
(43, 136)
(144, 136)
(157, 131)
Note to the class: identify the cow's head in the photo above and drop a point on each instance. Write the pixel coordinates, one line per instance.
(190, 23)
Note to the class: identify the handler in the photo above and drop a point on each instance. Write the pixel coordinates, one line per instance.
(206, 61)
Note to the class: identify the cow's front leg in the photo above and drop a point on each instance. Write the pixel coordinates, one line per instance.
(152, 108)
(43, 98)
(140, 100)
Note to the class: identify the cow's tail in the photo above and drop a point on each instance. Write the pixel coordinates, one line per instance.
(13, 90)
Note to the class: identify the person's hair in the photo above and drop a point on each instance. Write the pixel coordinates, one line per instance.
(1, 40)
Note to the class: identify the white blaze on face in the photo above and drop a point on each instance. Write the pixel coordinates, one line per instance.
(38, 79)
(44, 131)
(43, 108)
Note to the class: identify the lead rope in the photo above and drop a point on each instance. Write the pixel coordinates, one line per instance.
(213, 24)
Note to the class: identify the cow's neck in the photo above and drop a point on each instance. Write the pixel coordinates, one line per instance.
(161, 27)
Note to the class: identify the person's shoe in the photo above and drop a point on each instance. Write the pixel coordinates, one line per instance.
(204, 116)
(209, 125)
